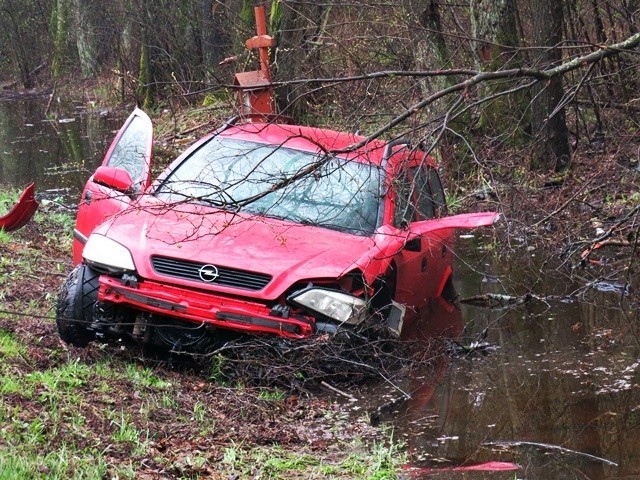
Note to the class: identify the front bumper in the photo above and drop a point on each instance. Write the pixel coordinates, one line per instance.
(205, 308)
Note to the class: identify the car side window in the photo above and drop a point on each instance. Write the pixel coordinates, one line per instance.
(424, 202)
(405, 211)
(129, 153)
(437, 192)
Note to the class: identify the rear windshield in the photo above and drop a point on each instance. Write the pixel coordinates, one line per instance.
(278, 182)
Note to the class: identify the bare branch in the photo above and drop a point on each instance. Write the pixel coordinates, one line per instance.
(539, 75)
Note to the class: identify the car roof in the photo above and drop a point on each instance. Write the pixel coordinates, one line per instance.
(309, 139)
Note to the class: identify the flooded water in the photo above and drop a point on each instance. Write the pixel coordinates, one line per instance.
(549, 389)
(57, 152)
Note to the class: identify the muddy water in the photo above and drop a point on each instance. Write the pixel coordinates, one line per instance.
(552, 389)
(58, 152)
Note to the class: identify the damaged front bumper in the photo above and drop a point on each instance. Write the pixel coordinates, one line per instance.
(207, 308)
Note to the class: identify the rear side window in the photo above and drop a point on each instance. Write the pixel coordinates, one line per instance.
(437, 192)
(129, 152)
(405, 212)
(424, 198)
(429, 194)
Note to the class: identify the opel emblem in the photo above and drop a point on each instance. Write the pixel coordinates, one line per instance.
(208, 273)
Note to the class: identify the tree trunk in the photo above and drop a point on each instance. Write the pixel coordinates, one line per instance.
(145, 88)
(60, 21)
(631, 10)
(216, 44)
(300, 23)
(431, 49)
(548, 123)
(493, 26)
(126, 50)
(86, 36)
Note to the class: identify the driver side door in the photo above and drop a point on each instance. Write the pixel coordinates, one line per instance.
(424, 262)
(129, 157)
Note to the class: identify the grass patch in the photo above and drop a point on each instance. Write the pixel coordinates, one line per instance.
(57, 465)
(380, 463)
(10, 346)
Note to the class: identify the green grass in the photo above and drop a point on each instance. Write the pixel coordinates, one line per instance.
(62, 379)
(5, 237)
(20, 465)
(10, 346)
(379, 463)
(144, 377)
(271, 395)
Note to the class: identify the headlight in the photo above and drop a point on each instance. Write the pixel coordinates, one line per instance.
(104, 253)
(338, 306)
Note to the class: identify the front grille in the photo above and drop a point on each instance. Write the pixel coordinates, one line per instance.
(228, 277)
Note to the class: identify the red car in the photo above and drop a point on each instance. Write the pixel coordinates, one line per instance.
(260, 227)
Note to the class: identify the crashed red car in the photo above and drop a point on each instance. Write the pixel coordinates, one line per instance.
(260, 227)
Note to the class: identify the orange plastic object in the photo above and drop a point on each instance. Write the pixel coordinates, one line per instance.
(255, 94)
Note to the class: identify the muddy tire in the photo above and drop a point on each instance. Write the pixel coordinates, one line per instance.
(76, 305)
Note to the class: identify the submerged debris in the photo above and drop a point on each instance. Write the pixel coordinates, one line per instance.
(548, 446)
(483, 348)
(496, 300)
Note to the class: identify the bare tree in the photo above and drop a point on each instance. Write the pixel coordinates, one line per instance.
(548, 120)
(299, 26)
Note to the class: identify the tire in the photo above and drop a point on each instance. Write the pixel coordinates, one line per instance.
(180, 336)
(76, 305)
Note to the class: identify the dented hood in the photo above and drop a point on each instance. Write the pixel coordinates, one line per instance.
(289, 252)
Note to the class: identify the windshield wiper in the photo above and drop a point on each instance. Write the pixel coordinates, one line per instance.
(232, 206)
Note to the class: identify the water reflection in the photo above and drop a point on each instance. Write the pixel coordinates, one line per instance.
(560, 396)
(58, 154)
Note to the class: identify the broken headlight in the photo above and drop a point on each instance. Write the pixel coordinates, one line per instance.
(102, 253)
(338, 306)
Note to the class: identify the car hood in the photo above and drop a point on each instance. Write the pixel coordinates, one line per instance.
(289, 252)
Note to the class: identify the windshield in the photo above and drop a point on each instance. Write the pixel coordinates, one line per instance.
(279, 182)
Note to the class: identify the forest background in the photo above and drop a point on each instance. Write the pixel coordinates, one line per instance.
(527, 80)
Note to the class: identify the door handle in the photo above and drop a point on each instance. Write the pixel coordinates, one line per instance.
(423, 266)
(444, 250)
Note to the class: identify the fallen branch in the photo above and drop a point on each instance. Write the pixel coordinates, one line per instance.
(548, 446)
(600, 240)
(338, 391)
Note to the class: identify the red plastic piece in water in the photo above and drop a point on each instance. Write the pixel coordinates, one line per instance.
(479, 467)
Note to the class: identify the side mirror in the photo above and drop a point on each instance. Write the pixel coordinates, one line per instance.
(114, 177)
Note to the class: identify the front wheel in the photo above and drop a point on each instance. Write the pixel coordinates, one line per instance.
(76, 306)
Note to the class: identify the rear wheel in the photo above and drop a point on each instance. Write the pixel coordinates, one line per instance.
(76, 306)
